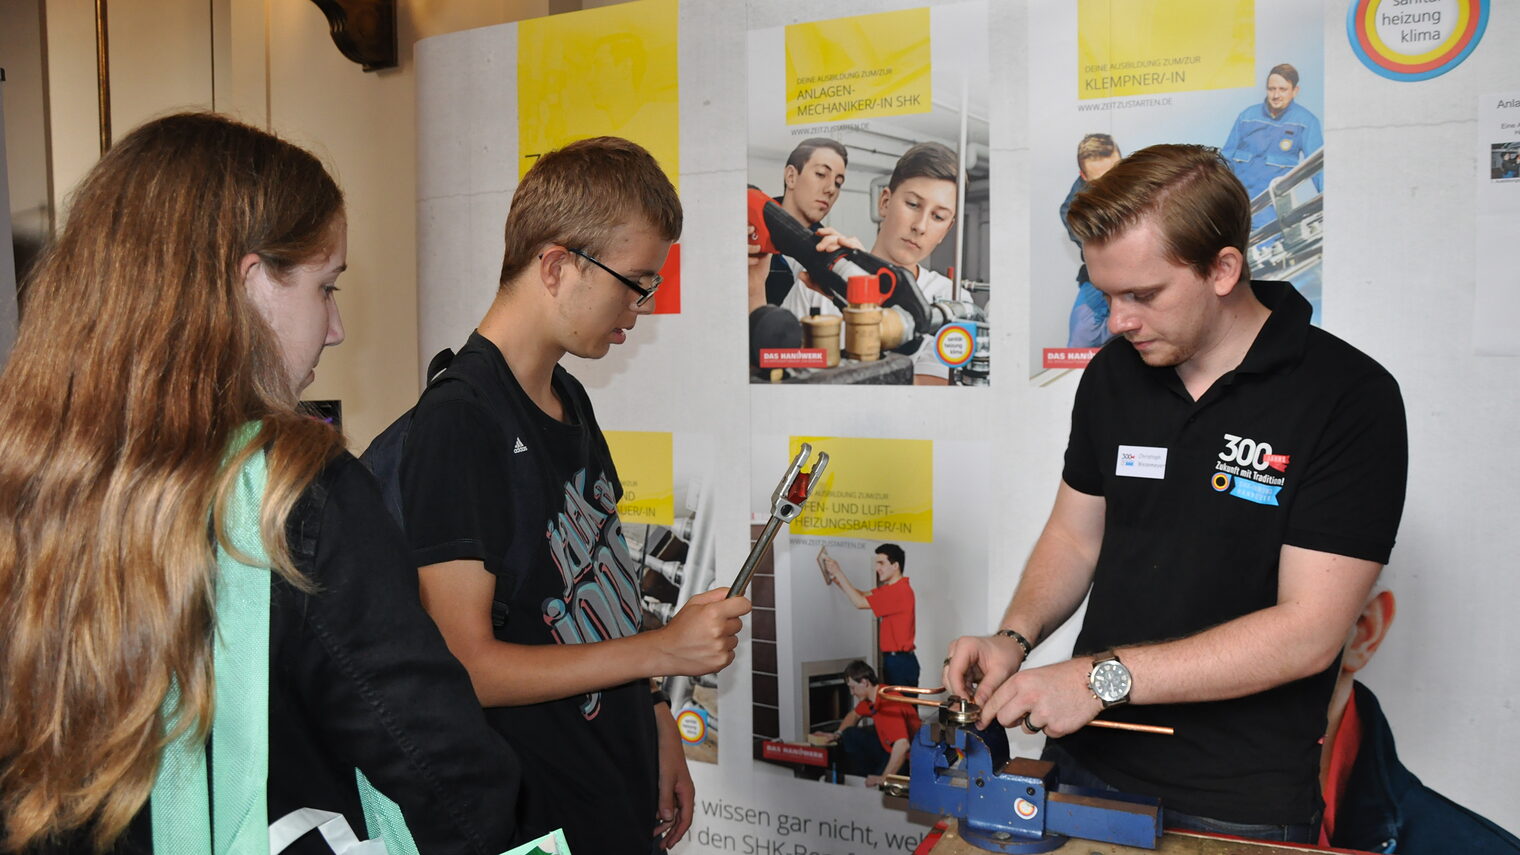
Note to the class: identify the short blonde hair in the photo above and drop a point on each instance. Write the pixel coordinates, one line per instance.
(578, 195)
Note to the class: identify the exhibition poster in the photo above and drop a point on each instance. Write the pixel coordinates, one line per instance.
(667, 515)
(867, 586)
(872, 128)
(1110, 78)
(643, 460)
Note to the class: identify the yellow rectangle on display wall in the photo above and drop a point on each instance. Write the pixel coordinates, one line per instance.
(600, 72)
(873, 489)
(645, 465)
(858, 67)
(1147, 47)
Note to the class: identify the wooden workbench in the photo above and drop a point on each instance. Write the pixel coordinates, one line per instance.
(1172, 843)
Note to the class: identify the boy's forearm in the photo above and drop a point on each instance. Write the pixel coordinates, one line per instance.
(506, 675)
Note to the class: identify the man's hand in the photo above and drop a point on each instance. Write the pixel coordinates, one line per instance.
(831, 568)
(980, 664)
(874, 781)
(829, 239)
(701, 637)
(826, 734)
(1053, 698)
(677, 792)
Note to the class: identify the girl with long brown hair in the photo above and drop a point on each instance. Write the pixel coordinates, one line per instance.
(165, 338)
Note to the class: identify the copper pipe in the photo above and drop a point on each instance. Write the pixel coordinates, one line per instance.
(1138, 728)
(901, 695)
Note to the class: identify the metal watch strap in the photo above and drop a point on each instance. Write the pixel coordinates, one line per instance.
(1017, 636)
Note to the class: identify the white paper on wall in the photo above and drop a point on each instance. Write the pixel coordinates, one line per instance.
(1496, 301)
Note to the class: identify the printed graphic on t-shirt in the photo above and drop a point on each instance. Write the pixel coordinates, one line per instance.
(1242, 470)
(600, 599)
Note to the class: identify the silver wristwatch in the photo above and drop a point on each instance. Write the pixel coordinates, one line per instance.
(1110, 680)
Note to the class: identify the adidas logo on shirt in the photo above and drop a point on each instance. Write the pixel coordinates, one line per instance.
(519, 448)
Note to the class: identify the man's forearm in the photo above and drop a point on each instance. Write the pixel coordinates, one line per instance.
(1320, 596)
(1060, 567)
(851, 592)
(1249, 654)
(898, 757)
(1049, 592)
(1057, 577)
(847, 722)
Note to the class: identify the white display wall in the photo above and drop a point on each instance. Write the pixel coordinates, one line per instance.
(1400, 285)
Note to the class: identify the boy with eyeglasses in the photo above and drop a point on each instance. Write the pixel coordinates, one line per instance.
(509, 496)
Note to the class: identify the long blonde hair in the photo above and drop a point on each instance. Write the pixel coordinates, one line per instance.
(139, 356)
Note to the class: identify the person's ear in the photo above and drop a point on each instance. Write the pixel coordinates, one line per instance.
(552, 263)
(1225, 272)
(1369, 631)
(882, 201)
(246, 265)
(789, 176)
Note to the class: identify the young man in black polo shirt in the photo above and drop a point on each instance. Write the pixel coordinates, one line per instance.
(1233, 483)
(510, 499)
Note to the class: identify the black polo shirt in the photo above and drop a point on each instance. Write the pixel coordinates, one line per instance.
(1303, 444)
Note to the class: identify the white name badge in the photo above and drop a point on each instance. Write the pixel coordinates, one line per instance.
(1141, 461)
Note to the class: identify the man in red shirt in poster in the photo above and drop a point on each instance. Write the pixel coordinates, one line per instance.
(891, 600)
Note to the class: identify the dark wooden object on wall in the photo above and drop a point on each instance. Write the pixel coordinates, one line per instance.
(364, 30)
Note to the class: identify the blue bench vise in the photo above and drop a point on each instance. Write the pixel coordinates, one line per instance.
(1018, 808)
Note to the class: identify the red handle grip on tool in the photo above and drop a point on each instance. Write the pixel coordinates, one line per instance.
(798, 493)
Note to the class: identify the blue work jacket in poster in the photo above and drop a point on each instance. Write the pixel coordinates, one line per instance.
(1260, 148)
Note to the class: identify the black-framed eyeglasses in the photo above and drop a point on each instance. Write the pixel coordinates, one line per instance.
(644, 286)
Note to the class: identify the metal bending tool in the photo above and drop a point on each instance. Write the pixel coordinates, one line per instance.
(786, 503)
(1018, 808)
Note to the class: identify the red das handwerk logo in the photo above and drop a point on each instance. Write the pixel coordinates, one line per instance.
(1247, 457)
(792, 357)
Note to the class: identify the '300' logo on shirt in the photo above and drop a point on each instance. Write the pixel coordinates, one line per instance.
(1249, 452)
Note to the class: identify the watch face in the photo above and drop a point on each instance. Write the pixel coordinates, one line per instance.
(1110, 680)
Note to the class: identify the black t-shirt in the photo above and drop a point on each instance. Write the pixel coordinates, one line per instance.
(1303, 444)
(486, 475)
(361, 678)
